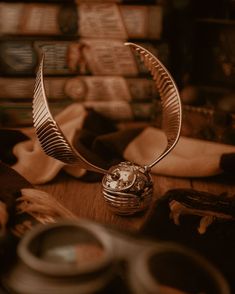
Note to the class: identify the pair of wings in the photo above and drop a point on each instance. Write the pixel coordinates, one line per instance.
(55, 144)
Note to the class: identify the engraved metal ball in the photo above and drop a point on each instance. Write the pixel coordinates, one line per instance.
(127, 188)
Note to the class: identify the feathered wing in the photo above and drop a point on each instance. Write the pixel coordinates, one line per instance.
(50, 136)
(170, 99)
(55, 144)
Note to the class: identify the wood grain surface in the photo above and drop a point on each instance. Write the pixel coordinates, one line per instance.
(86, 200)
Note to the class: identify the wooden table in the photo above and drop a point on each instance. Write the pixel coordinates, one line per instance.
(86, 201)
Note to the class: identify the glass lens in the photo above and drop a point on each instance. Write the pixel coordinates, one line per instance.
(68, 245)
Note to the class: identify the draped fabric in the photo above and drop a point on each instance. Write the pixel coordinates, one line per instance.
(101, 142)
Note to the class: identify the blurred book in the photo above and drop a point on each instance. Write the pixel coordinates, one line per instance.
(81, 88)
(19, 114)
(86, 56)
(92, 20)
(86, 60)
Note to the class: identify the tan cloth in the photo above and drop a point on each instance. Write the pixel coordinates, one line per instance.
(190, 157)
(34, 164)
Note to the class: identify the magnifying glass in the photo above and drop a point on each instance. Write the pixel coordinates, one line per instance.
(70, 257)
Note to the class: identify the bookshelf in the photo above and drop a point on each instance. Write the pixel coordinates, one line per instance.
(86, 61)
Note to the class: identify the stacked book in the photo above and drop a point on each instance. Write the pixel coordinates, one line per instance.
(85, 57)
(86, 60)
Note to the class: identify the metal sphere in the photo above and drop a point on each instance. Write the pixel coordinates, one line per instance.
(127, 188)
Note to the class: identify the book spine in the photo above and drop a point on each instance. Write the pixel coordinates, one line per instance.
(93, 20)
(20, 114)
(22, 88)
(86, 56)
(106, 20)
(82, 88)
(38, 19)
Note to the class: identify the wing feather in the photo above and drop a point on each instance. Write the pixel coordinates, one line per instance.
(170, 98)
(49, 134)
